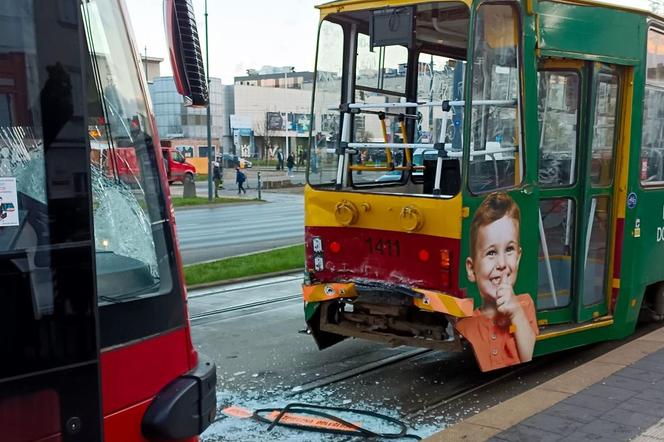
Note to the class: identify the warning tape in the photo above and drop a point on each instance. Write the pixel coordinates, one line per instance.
(239, 412)
(290, 418)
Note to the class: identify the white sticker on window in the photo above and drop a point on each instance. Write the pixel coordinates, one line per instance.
(8, 202)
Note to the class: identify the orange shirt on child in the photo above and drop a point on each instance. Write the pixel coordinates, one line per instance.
(493, 344)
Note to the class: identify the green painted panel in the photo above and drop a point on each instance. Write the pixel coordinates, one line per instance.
(591, 31)
(643, 244)
(573, 340)
(649, 244)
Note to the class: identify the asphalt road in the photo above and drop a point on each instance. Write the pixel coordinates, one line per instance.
(251, 331)
(211, 233)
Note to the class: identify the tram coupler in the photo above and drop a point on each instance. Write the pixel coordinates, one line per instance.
(185, 407)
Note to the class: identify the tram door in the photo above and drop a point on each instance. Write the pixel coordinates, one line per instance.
(579, 121)
(49, 352)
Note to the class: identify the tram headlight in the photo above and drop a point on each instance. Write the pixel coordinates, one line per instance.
(317, 244)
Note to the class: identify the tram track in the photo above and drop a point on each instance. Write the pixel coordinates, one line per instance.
(462, 393)
(344, 375)
(222, 294)
(537, 371)
(409, 356)
(197, 318)
(357, 371)
(227, 288)
(465, 392)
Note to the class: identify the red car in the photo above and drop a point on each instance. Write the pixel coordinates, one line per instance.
(177, 168)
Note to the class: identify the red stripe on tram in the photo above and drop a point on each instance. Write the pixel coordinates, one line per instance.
(617, 255)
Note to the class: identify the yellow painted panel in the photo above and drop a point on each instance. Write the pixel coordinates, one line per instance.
(326, 292)
(601, 323)
(622, 165)
(620, 196)
(559, 63)
(440, 302)
(439, 217)
(201, 164)
(360, 5)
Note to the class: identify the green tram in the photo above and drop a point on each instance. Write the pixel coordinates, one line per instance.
(429, 115)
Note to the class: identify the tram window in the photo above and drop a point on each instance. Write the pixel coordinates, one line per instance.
(380, 76)
(606, 106)
(495, 145)
(554, 282)
(595, 262)
(133, 261)
(46, 318)
(322, 164)
(439, 78)
(368, 128)
(384, 68)
(652, 138)
(558, 100)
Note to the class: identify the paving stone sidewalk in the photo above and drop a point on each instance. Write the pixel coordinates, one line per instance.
(627, 405)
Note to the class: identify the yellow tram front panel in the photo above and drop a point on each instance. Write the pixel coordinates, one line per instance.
(392, 239)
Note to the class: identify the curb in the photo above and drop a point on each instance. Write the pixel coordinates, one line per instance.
(505, 415)
(213, 205)
(206, 285)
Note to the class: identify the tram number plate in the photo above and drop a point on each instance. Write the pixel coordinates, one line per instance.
(385, 247)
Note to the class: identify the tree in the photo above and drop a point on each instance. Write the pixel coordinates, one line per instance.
(263, 130)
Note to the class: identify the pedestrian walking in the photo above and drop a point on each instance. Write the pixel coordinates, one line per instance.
(240, 178)
(290, 162)
(280, 159)
(217, 178)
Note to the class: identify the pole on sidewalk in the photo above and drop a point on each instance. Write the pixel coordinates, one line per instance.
(209, 118)
(259, 185)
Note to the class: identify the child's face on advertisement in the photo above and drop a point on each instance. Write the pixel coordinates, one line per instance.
(495, 260)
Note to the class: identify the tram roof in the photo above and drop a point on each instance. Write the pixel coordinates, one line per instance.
(355, 5)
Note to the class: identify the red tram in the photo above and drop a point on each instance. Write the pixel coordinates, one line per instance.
(94, 337)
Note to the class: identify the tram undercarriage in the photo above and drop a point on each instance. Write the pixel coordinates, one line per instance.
(386, 317)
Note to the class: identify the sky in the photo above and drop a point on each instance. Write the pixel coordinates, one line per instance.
(248, 34)
(245, 34)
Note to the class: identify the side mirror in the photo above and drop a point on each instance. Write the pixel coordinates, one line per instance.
(185, 52)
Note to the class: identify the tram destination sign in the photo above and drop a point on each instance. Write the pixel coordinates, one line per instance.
(391, 26)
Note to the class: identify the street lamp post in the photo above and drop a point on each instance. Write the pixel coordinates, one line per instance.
(209, 117)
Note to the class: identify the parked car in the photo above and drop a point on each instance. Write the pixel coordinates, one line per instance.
(230, 160)
(128, 170)
(177, 168)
